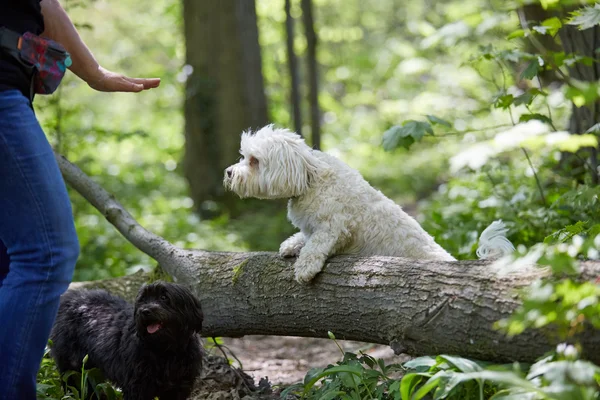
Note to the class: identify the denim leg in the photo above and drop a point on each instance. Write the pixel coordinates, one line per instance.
(37, 230)
(3, 260)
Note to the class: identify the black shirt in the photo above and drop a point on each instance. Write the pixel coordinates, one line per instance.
(20, 16)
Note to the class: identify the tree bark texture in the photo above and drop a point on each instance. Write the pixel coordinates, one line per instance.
(224, 92)
(573, 42)
(417, 307)
(313, 78)
(584, 43)
(293, 67)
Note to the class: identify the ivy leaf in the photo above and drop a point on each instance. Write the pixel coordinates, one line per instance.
(586, 18)
(503, 100)
(539, 117)
(532, 69)
(526, 98)
(405, 135)
(435, 120)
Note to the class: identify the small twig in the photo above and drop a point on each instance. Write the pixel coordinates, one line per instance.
(220, 347)
(456, 133)
(547, 105)
(537, 180)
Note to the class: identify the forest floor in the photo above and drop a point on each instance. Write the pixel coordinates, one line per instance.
(269, 364)
(285, 360)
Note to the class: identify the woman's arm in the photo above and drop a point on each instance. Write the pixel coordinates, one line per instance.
(58, 27)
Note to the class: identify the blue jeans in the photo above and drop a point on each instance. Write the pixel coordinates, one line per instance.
(38, 245)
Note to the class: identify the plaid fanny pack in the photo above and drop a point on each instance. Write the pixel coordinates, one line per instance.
(46, 59)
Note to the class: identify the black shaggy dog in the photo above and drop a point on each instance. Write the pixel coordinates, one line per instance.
(148, 350)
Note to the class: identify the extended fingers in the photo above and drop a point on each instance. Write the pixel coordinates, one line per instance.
(147, 83)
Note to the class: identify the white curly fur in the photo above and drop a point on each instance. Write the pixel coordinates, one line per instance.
(336, 210)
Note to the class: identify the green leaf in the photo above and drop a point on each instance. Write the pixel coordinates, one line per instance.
(428, 386)
(526, 98)
(420, 363)
(314, 375)
(332, 395)
(404, 136)
(532, 69)
(435, 120)
(586, 18)
(519, 33)
(565, 234)
(539, 117)
(311, 374)
(409, 382)
(504, 101)
(446, 388)
(107, 390)
(549, 3)
(583, 93)
(549, 26)
(463, 364)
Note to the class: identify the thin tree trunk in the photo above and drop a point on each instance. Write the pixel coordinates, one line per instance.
(313, 79)
(417, 307)
(293, 66)
(573, 42)
(224, 93)
(584, 43)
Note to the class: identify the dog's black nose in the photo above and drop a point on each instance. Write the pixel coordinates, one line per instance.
(145, 312)
(229, 172)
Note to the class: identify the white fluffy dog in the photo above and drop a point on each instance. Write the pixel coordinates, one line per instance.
(336, 210)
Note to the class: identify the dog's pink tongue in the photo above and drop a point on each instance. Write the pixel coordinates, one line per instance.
(153, 328)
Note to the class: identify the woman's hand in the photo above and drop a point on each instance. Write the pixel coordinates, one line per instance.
(58, 26)
(107, 81)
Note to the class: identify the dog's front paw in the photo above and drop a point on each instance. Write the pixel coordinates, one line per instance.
(291, 247)
(306, 270)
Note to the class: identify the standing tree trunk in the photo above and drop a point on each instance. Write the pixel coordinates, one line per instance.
(573, 42)
(313, 79)
(293, 66)
(584, 43)
(224, 93)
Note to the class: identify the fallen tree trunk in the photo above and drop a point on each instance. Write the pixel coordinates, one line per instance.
(417, 307)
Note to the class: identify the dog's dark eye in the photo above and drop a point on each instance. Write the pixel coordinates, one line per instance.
(164, 298)
(253, 161)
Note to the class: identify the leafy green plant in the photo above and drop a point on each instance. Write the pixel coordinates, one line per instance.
(355, 377)
(72, 385)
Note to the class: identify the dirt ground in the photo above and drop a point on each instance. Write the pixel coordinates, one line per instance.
(285, 360)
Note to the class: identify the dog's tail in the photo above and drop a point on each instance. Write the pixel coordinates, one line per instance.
(493, 242)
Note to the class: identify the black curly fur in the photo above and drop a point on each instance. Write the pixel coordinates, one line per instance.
(116, 337)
